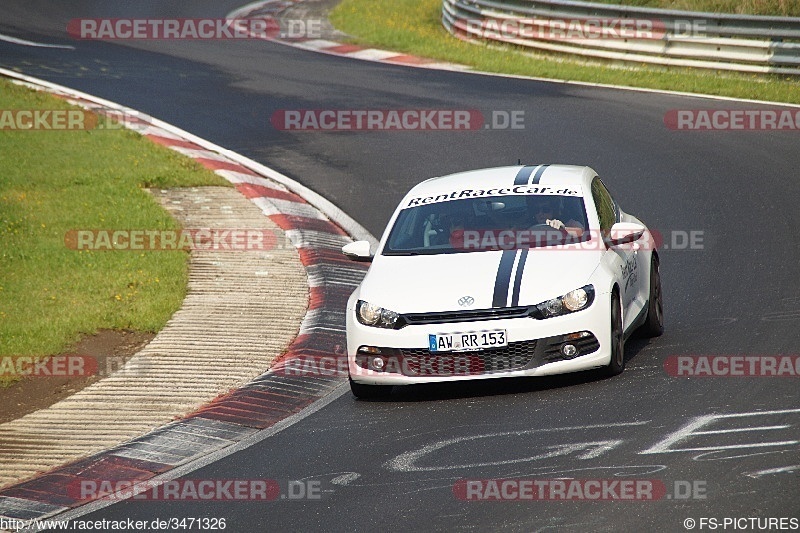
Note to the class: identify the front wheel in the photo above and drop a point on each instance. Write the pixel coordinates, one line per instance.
(617, 363)
(369, 392)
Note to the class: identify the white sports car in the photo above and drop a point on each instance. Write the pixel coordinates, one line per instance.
(501, 272)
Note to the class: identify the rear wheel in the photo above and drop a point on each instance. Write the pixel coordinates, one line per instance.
(654, 325)
(369, 392)
(617, 363)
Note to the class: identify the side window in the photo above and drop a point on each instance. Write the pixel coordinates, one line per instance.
(605, 205)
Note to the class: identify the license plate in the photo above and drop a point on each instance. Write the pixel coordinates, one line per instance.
(467, 340)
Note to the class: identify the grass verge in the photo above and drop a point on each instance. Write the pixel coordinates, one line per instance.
(55, 181)
(414, 27)
(777, 8)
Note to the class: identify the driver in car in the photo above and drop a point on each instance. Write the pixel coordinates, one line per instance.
(545, 210)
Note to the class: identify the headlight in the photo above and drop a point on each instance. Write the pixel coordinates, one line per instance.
(373, 315)
(569, 303)
(576, 300)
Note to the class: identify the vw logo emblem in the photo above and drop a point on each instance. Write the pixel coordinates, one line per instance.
(466, 301)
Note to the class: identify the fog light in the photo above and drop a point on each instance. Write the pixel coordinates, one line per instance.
(569, 350)
(378, 364)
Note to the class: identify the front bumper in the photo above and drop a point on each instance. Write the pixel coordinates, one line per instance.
(534, 349)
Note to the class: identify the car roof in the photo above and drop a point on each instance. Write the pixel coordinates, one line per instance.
(487, 178)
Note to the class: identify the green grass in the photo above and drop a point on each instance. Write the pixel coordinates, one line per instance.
(55, 181)
(414, 27)
(780, 8)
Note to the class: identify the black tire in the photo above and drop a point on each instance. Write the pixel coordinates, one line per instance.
(617, 363)
(369, 392)
(654, 324)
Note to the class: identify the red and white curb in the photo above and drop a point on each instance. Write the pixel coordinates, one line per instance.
(372, 54)
(273, 9)
(268, 403)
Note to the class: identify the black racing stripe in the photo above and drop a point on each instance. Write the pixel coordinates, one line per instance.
(523, 175)
(538, 175)
(503, 278)
(518, 277)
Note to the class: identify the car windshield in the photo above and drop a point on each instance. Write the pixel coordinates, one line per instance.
(489, 223)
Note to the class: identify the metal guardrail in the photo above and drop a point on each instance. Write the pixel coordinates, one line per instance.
(742, 43)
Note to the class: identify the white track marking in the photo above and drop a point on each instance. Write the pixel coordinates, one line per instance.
(691, 429)
(23, 42)
(406, 462)
(769, 471)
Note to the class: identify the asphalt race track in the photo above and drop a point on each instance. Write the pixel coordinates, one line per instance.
(392, 465)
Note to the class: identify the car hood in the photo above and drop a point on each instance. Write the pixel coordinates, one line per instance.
(431, 283)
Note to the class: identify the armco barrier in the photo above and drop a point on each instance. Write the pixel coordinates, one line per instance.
(742, 43)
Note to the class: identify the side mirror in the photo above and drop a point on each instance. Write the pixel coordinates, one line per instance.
(624, 233)
(357, 251)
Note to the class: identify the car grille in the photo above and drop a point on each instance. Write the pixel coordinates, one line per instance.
(421, 362)
(413, 319)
